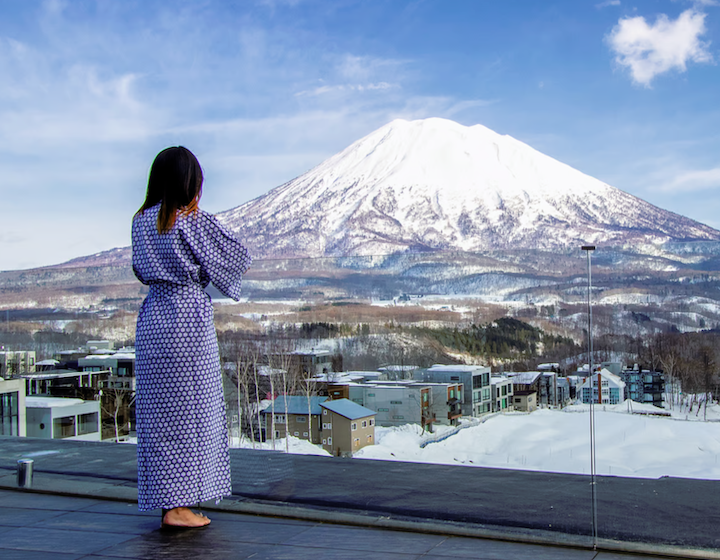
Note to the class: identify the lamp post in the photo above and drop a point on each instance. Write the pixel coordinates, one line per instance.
(589, 249)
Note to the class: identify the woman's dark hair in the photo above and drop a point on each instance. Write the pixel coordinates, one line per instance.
(175, 182)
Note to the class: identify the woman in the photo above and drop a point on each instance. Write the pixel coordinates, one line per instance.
(180, 410)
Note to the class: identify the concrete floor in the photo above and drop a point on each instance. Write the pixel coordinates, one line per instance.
(40, 526)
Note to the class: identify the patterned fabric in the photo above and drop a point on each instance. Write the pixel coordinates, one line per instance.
(180, 410)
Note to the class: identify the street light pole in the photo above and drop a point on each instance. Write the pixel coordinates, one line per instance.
(589, 249)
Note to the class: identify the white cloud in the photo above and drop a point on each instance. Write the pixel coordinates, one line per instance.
(607, 3)
(650, 50)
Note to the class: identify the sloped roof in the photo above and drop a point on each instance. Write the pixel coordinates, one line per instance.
(524, 377)
(296, 405)
(347, 408)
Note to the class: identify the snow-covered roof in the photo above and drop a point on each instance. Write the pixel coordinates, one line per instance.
(60, 373)
(49, 362)
(550, 365)
(347, 408)
(50, 402)
(524, 377)
(459, 368)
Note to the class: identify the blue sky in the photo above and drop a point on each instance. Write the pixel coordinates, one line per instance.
(262, 91)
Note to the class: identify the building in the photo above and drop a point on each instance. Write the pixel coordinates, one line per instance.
(525, 401)
(347, 427)
(12, 407)
(16, 362)
(121, 365)
(293, 416)
(410, 402)
(502, 393)
(311, 363)
(63, 418)
(644, 386)
(477, 393)
(612, 388)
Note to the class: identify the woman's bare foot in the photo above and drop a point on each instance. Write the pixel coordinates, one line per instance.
(184, 517)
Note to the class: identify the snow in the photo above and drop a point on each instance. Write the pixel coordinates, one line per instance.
(50, 402)
(631, 445)
(439, 184)
(296, 445)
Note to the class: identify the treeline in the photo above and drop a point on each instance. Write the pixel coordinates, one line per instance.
(506, 339)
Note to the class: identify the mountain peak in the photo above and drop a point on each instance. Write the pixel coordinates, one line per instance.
(434, 184)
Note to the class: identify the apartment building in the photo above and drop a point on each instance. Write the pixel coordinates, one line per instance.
(477, 392)
(410, 402)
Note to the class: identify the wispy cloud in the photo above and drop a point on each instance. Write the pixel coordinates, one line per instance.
(649, 50)
(695, 180)
(607, 3)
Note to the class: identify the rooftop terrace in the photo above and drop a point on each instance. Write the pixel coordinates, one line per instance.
(83, 505)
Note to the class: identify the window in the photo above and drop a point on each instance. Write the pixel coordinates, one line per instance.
(395, 402)
(383, 410)
(504, 390)
(324, 441)
(300, 419)
(87, 423)
(64, 427)
(324, 412)
(353, 426)
(296, 434)
(477, 381)
(398, 418)
(305, 434)
(279, 418)
(9, 423)
(519, 400)
(371, 394)
(329, 441)
(372, 422)
(454, 378)
(364, 423)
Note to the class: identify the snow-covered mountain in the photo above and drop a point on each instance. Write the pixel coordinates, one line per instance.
(435, 184)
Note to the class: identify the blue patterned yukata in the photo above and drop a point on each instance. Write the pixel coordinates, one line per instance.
(180, 410)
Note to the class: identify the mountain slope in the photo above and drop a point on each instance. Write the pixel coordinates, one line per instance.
(435, 184)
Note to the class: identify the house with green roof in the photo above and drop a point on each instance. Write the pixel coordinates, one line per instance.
(292, 415)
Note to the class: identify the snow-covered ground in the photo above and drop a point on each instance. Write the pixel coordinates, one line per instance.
(558, 441)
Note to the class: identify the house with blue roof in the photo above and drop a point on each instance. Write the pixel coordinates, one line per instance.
(346, 427)
(294, 415)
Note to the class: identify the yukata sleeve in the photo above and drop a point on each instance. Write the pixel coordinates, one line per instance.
(221, 255)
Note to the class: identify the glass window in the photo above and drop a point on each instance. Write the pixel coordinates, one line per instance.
(300, 418)
(395, 402)
(87, 423)
(9, 414)
(353, 426)
(364, 423)
(64, 427)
